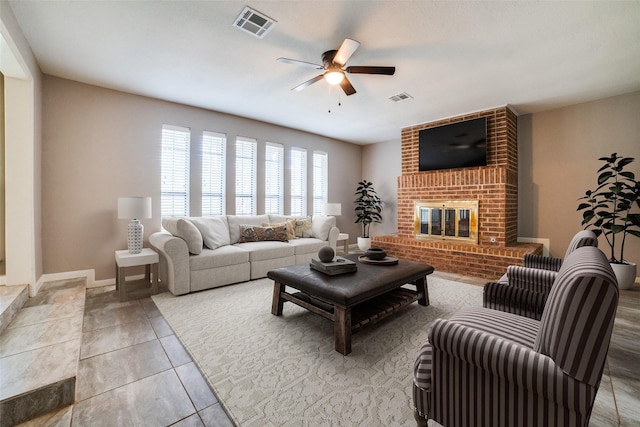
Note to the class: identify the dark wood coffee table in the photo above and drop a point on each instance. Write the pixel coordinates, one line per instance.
(351, 300)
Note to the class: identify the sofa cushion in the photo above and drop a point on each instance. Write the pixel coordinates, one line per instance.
(308, 245)
(256, 233)
(214, 230)
(221, 257)
(260, 251)
(303, 225)
(235, 221)
(290, 224)
(320, 227)
(183, 228)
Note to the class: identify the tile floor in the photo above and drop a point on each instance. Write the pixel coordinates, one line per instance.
(134, 371)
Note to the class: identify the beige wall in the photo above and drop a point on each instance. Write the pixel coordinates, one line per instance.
(22, 87)
(558, 153)
(381, 164)
(557, 160)
(99, 144)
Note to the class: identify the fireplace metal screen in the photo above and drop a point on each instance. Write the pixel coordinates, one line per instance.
(450, 220)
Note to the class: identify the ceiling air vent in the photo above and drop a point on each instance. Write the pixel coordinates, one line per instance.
(400, 97)
(254, 22)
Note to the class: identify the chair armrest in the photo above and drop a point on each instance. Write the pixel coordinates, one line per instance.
(542, 262)
(512, 299)
(174, 261)
(513, 363)
(532, 279)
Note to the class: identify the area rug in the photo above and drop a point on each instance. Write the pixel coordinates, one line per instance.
(283, 371)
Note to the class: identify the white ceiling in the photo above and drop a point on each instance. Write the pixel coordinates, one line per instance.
(452, 57)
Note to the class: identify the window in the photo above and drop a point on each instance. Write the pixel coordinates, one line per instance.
(174, 185)
(298, 181)
(274, 179)
(320, 181)
(213, 173)
(246, 150)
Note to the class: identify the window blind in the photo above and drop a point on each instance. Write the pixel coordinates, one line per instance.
(298, 181)
(246, 151)
(174, 170)
(213, 173)
(320, 181)
(274, 179)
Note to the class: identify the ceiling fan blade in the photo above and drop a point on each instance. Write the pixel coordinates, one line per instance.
(346, 86)
(389, 71)
(302, 63)
(346, 50)
(308, 83)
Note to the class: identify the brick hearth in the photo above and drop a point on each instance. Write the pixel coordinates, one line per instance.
(495, 186)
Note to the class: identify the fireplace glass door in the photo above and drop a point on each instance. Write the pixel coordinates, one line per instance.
(456, 220)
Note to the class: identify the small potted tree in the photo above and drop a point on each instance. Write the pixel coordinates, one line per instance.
(368, 208)
(612, 210)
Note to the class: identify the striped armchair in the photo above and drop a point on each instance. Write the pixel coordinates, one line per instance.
(523, 290)
(486, 367)
(581, 238)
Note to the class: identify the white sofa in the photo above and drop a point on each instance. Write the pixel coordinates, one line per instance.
(198, 253)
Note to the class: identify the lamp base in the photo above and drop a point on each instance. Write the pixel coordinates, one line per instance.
(135, 231)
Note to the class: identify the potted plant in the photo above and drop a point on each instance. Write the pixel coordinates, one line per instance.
(609, 211)
(368, 208)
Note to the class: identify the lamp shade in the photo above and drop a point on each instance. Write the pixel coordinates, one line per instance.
(332, 209)
(134, 207)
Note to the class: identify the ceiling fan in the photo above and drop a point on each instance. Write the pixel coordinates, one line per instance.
(333, 62)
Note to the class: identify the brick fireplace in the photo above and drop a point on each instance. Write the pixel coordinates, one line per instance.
(494, 186)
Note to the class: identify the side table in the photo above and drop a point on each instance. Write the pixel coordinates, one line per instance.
(149, 258)
(344, 237)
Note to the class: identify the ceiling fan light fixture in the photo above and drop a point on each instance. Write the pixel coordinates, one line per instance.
(334, 77)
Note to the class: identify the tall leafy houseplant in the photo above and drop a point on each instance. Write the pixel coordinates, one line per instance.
(608, 208)
(368, 206)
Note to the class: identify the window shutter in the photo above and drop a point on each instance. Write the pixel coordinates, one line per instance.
(246, 151)
(298, 181)
(320, 181)
(213, 173)
(174, 185)
(274, 179)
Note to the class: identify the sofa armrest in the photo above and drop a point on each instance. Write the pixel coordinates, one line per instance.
(513, 363)
(174, 261)
(333, 237)
(542, 262)
(511, 299)
(532, 279)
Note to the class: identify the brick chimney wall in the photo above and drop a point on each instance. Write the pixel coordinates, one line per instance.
(495, 186)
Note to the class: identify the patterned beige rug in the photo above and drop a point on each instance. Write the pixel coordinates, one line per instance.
(283, 371)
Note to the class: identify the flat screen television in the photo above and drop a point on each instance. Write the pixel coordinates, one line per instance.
(457, 145)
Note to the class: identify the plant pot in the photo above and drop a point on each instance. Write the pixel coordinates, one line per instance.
(364, 243)
(626, 274)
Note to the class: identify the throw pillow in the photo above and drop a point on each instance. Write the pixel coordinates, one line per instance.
(254, 233)
(183, 228)
(302, 225)
(291, 228)
(320, 226)
(214, 230)
(236, 220)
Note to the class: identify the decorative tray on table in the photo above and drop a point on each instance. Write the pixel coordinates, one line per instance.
(388, 260)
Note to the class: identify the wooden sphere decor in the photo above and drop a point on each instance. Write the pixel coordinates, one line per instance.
(326, 254)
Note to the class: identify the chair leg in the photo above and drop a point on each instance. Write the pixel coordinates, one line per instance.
(422, 422)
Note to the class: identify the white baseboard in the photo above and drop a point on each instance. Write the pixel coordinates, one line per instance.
(545, 243)
(90, 275)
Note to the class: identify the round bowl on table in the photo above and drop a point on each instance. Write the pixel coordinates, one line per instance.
(375, 254)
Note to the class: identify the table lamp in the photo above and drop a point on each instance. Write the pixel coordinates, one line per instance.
(332, 209)
(134, 208)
